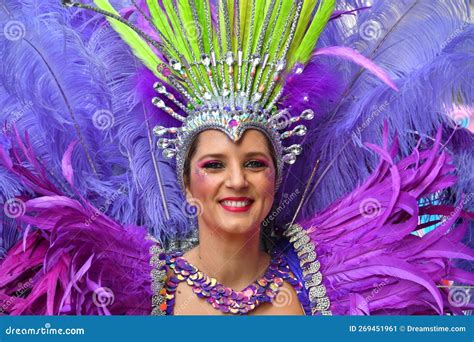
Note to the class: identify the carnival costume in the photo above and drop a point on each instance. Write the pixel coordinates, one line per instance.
(93, 167)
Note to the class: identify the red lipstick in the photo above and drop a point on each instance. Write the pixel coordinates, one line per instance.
(236, 208)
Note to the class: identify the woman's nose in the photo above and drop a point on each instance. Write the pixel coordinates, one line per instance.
(236, 178)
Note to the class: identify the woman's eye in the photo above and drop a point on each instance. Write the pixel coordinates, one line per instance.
(255, 164)
(213, 165)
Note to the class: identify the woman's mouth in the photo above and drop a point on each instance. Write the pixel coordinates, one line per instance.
(236, 204)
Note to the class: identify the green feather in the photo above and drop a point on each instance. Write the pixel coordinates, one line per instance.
(139, 46)
(245, 19)
(158, 18)
(177, 38)
(305, 49)
(285, 13)
(305, 17)
(190, 26)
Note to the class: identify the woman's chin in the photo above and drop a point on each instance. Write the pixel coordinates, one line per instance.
(231, 224)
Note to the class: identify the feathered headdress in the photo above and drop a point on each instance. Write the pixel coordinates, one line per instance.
(230, 74)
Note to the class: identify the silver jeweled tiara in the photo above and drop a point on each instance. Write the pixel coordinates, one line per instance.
(237, 81)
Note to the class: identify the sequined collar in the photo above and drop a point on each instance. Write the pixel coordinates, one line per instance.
(225, 299)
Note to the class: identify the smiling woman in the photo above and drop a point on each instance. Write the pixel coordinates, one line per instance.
(234, 111)
(234, 184)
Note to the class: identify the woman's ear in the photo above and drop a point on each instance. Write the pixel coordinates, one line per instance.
(189, 195)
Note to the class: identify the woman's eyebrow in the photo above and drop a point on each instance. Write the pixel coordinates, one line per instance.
(256, 154)
(213, 155)
(223, 156)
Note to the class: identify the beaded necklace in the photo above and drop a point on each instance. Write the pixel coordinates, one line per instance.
(223, 298)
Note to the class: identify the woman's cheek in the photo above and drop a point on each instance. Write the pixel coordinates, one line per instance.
(204, 181)
(200, 174)
(270, 176)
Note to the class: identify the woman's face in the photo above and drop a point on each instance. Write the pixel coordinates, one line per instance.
(234, 183)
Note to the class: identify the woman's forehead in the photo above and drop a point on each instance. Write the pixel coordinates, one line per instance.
(214, 141)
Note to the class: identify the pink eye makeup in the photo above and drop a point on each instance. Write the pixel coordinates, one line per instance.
(210, 164)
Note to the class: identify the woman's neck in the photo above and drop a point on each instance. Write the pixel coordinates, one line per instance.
(234, 260)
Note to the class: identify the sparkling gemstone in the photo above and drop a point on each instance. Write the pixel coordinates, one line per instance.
(68, 3)
(300, 130)
(256, 60)
(308, 114)
(166, 72)
(257, 97)
(160, 88)
(230, 58)
(206, 60)
(233, 123)
(298, 68)
(163, 143)
(289, 158)
(226, 92)
(281, 65)
(169, 154)
(176, 65)
(158, 102)
(207, 96)
(160, 130)
(295, 149)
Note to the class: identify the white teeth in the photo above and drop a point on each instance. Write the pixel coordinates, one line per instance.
(236, 204)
